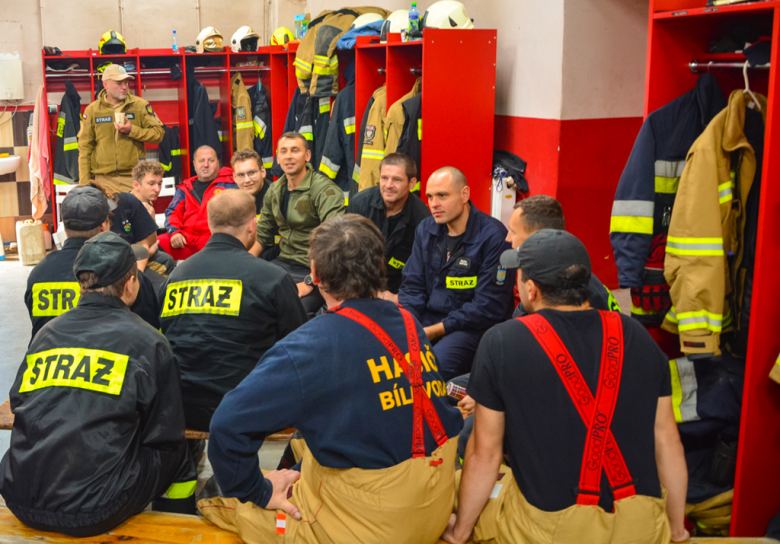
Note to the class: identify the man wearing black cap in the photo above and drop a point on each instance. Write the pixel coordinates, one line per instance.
(581, 400)
(52, 288)
(99, 429)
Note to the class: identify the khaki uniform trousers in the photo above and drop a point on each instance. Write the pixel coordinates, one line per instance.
(115, 184)
(408, 503)
(510, 519)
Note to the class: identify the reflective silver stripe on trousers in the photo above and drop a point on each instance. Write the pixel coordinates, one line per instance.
(669, 169)
(307, 129)
(689, 385)
(633, 208)
(73, 140)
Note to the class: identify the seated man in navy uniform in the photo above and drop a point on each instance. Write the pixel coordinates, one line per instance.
(99, 429)
(369, 474)
(396, 212)
(52, 288)
(453, 282)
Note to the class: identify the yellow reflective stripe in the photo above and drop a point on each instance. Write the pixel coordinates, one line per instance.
(346, 201)
(181, 490)
(244, 125)
(677, 394)
(70, 147)
(167, 167)
(303, 75)
(321, 59)
(177, 152)
(416, 187)
(694, 246)
(81, 368)
(638, 225)
(373, 154)
(640, 311)
(469, 282)
(307, 135)
(277, 239)
(698, 319)
(302, 64)
(60, 126)
(326, 71)
(350, 129)
(60, 182)
(725, 191)
(268, 164)
(419, 129)
(327, 171)
(260, 127)
(54, 298)
(395, 263)
(612, 302)
(208, 296)
(356, 173)
(666, 185)
(324, 105)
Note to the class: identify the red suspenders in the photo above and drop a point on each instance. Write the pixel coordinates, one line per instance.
(601, 450)
(421, 405)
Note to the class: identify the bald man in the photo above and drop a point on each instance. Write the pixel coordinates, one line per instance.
(222, 309)
(453, 283)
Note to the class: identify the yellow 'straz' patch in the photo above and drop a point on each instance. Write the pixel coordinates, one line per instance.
(221, 297)
(54, 298)
(461, 283)
(91, 369)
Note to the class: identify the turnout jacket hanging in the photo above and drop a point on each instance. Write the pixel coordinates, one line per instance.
(66, 157)
(705, 248)
(316, 63)
(647, 188)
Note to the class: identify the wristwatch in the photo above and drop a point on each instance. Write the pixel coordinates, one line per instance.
(308, 280)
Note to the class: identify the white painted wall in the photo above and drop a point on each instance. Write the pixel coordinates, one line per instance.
(557, 59)
(604, 55)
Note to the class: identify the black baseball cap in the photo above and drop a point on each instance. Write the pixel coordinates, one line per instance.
(546, 254)
(85, 208)
(107, 255)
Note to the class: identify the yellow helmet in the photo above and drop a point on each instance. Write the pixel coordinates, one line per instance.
(210, 40)
(282, 36)
(112, 43)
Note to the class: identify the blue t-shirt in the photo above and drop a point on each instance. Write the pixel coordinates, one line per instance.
(337, 384)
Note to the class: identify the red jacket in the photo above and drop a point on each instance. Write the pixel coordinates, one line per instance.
(188, 215)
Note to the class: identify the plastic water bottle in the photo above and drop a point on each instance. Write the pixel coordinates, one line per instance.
(414, 22)
(175, 46)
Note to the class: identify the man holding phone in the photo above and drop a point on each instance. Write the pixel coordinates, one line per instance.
(114, 130)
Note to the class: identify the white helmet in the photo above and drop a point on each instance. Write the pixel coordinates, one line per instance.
(447, 14)
(365, 19)
(209, 39)
(245, 39)
(398, 21)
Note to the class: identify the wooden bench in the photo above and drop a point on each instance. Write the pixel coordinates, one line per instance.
(151, 527)
(7, 423)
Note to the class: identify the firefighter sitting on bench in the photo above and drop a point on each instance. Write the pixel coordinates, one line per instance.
(379, 460)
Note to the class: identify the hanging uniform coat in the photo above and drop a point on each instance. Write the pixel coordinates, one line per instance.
(411, 136)
(171, 153)
(338, 151)
(66, 157)
(396, 119)
(203, 129)
(316, 63)
(243, 129)
(314, 122)
(705, 246)
(261, 123)
(354, 182)
(646, 194)
(373, 137)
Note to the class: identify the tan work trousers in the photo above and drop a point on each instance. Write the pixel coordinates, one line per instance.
(408, 503)
(510, 519)
(115, 184)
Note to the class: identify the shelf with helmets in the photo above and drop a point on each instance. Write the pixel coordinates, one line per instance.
(160, 77)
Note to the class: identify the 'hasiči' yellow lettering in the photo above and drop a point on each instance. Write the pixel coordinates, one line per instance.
(376, 369)
(386, 398)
